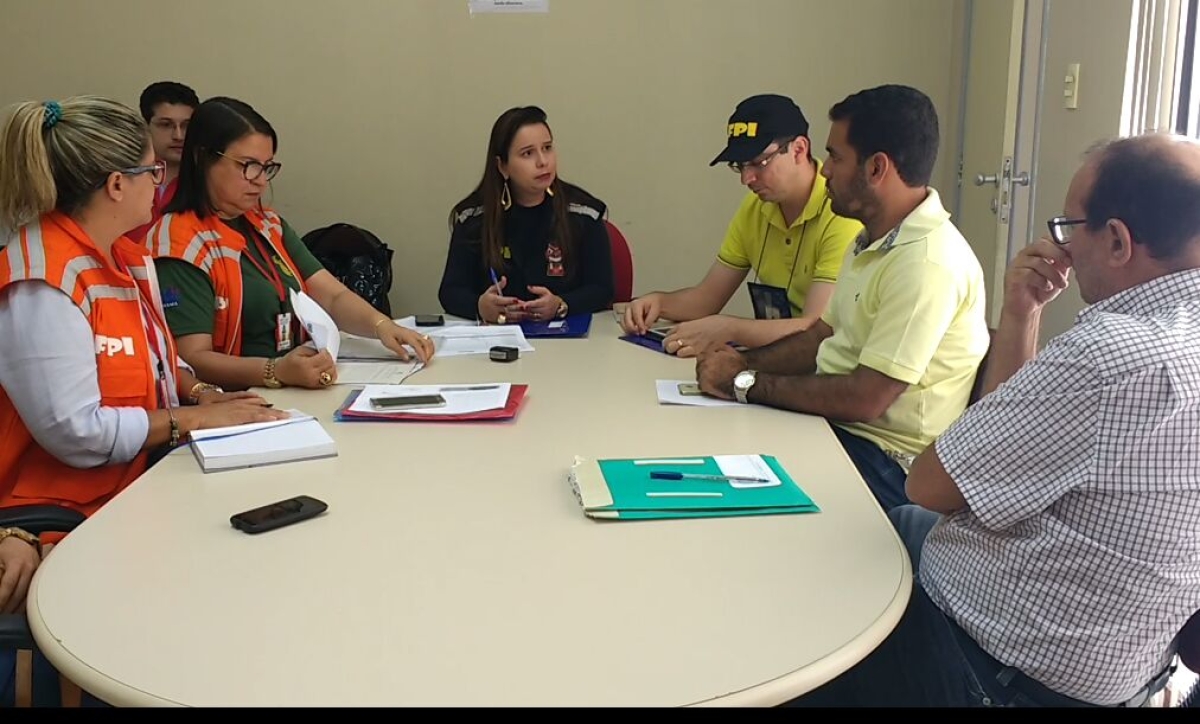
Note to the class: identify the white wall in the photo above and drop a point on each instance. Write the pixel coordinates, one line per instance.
(1095, 34)
(383, 106)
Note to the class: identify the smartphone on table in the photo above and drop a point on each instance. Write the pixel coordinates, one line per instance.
(407, 402)
(277, 515)
(430, 320)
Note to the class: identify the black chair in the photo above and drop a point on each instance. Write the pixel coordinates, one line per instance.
(14, 628)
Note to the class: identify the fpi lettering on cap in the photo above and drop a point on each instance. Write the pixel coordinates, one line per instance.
(750, 130)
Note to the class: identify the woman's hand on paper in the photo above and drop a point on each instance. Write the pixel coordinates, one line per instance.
(306, 367)
(395, 337)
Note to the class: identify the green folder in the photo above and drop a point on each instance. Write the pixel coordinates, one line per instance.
(619, 488)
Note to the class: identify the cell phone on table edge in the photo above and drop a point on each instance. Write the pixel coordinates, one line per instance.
(408, 402)
(278, 514)
(430, 320)
(689, 389)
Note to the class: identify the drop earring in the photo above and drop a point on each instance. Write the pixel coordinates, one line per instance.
(505, 197)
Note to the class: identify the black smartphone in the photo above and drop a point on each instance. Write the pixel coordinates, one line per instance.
(430, 320)
(277, 515)
(658, 335)
(408, 402)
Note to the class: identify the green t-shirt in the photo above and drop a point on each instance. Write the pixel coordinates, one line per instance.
(190, 302)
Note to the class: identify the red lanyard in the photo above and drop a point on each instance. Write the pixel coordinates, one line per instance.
(270, 272)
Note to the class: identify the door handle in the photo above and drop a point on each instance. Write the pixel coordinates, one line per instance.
(1021, 179)
(984, 179)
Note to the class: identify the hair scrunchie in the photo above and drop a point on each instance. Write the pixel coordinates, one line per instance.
(53, 114)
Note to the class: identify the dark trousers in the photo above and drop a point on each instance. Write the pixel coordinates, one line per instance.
(883, 475)
(928, 660)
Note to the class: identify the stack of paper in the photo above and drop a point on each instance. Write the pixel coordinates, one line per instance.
(299, 437)
(452, 340)
(686, 487)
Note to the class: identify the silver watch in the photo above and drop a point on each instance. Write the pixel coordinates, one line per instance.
(742, 384)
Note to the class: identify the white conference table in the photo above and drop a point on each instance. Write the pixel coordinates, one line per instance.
(454, 566)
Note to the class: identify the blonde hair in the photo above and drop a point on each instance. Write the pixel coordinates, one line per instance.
(55, 155)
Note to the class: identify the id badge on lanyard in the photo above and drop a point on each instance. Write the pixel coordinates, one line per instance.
(769, 302)
(283, 331)
(283, 321)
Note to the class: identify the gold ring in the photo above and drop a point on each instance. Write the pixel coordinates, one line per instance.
(501, 318)
(326, 379)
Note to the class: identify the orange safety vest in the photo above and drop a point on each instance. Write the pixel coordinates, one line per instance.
(216, 249)
(56, 251)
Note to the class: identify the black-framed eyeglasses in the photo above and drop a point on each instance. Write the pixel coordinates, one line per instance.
(157, 171)
(762, 162)
(251, 170)
(1061, 228)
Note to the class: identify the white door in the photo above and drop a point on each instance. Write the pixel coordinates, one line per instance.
(999, 116)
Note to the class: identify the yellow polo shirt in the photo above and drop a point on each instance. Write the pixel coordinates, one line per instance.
(810, 249)
(910, 305)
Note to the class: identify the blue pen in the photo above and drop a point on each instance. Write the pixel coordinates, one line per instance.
(495, 281)
(673, 475)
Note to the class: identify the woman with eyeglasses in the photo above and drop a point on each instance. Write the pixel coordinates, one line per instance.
(526, 245)
(227, 264)
(89, 378)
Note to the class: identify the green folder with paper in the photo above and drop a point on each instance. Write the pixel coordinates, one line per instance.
(686, 487)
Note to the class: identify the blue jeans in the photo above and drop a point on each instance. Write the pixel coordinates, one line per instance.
(46, 691)
(928, 660)
(883, 475)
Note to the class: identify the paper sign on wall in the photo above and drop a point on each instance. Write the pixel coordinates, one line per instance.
(509, 6)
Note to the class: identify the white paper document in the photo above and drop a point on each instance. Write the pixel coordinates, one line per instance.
(457, 341)
(452, 340)
(376, 373)
(668, 394)
(317, 322)
(299, 438)
(211, 433)
(460, 399)
(747, 466)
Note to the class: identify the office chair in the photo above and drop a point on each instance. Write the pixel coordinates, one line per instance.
(622, 260)
(14, 628)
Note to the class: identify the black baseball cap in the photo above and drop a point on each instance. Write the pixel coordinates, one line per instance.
(756, 122)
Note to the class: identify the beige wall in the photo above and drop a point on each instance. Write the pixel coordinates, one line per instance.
(1099, 45)
(383, 106)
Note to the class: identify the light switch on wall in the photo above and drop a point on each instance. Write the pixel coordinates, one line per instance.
(1071, 87)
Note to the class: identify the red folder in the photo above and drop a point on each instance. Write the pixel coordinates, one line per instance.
(516, 395)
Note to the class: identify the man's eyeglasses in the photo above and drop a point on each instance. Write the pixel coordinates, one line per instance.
(157, 171)
(759, 164)
(251, 170)
(1061, 228)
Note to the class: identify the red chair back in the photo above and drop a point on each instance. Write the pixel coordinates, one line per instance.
(622, 264)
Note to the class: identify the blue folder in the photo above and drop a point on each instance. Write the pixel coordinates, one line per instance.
(573, 327)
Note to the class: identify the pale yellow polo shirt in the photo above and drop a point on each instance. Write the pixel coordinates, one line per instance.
(813, 246)
(910, 305)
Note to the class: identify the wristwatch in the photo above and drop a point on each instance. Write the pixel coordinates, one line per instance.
(742, 384)
(200, 388)
(24, 535)
(269, 378)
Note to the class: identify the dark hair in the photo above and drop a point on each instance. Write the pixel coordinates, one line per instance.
(1143, 182)
(895, 120)
(166, 91)
(491, 186)
(217, 123)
